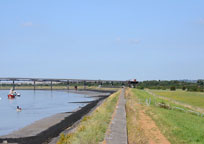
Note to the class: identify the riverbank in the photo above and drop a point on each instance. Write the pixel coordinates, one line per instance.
(92, 128)
(159, 120)
(47, 128)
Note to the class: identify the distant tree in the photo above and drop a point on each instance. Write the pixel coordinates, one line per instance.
(172, 88)
(192, 88)
(184, 88)
(200, 82)
(164, 84)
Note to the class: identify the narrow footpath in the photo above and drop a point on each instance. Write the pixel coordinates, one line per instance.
(117, 133)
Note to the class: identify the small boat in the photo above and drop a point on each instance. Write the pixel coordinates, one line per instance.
(11, 96)
(18, 94)
(18, 109)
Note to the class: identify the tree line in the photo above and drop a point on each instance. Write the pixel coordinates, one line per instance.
(173, 85)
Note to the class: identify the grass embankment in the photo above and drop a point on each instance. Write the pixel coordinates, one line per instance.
(135, 132)
(92, 128)
(177, 126)
(192, 98)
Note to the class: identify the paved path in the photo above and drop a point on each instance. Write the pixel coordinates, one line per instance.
(117, 131)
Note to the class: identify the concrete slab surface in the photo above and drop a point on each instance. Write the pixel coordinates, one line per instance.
(118, 131)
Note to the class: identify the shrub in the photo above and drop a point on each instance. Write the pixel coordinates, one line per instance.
(173, 88)
(140, 87)
(163, 88)
(193, 88)
(62, 138)
(184, 88)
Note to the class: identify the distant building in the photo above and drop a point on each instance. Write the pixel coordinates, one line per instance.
(132, 83)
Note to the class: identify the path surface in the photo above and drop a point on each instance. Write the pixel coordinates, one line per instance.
(117, 133)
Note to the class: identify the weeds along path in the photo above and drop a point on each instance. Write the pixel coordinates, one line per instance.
(195, 108)
(141, 128)
(92, 127)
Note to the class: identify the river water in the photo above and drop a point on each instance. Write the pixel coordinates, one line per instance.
(35, 105)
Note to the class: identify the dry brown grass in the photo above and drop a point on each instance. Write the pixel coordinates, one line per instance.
(141, 128)
(92, 128)
(135, 132)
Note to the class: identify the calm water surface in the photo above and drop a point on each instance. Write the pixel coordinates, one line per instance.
(35, 105)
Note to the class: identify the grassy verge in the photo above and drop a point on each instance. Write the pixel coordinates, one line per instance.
(177, 126)
(192, 98)
(134, 130)
(92, 128)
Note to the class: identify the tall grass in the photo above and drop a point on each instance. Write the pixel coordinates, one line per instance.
(179, 127)
(134, 130)
(192, 98)
(92, 128)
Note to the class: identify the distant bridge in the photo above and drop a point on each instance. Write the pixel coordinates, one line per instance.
(67, 81)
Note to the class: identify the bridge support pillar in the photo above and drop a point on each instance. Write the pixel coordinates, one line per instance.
(13, 85)
(84, 84)
(67, 85)
(112, 83)
(34, 85)
(51, 85)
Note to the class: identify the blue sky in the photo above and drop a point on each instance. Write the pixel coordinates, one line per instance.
(103, 39)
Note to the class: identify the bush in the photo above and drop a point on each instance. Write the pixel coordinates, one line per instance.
(164, 105)
(140, 87)
(193, 88)
(163, 88)
(173, 88)
(184, 88)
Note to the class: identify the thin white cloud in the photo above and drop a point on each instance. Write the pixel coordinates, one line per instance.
(118, 39)
(27, 24)
(134, 41)
(201, 21)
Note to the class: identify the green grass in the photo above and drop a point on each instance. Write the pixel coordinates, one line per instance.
(92, 129)
(177, 126)
(191, 98)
